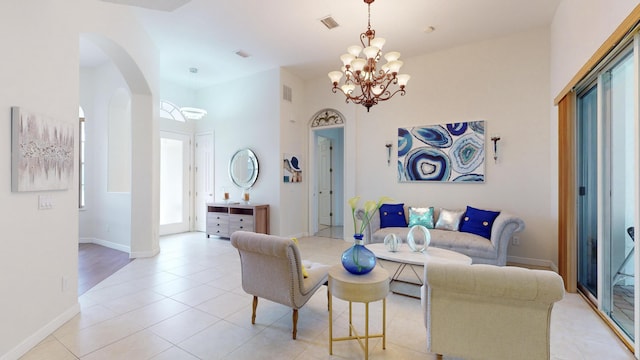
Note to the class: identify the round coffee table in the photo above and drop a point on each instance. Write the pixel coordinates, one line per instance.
(405, 257)
(367, 288)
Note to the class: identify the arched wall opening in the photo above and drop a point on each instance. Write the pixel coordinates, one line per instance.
(144, 168)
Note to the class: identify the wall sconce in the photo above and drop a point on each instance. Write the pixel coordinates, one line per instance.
(389, 145)
(495, 140)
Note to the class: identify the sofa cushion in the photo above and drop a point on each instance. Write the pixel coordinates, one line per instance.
(479, 222)
(392, 215)
(449, 219)
(421, 216)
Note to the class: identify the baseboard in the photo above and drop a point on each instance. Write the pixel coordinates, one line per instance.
(106, 243)
(33, 340)
(299, 235)
(534, 262)
(144, 254)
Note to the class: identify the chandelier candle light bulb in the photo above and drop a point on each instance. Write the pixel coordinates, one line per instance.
(374, 80)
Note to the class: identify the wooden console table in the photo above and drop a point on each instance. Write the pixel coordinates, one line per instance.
(225, 219)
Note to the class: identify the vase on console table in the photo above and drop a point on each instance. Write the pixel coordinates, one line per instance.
(358, 259)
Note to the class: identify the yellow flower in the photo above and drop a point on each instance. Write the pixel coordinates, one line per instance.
(353, 202)
(369, 209)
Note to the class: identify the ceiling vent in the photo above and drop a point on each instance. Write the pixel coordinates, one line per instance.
(243, 54)
(329, 22)
(287, 93)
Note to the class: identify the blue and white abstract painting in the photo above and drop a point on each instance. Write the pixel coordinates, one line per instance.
(446, 153)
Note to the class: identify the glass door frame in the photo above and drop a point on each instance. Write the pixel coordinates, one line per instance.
(604, 182)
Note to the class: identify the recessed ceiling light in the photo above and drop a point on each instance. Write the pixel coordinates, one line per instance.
(429, 29)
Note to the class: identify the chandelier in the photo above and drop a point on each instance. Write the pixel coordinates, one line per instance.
(366, 82)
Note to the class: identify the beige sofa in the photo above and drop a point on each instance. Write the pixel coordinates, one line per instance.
(489, 312)
(481, 250)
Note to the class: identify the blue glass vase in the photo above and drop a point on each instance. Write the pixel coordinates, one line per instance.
(358, 259)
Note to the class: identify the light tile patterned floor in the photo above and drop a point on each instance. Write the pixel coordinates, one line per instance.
(188, 303)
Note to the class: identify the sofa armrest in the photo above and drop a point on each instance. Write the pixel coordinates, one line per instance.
(502, 231)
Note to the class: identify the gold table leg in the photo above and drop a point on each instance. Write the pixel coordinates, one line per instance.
(330, 324)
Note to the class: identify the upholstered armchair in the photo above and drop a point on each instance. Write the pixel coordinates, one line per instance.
(489, 312)
(272, 269)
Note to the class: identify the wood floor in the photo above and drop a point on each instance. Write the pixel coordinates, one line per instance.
(96, 263)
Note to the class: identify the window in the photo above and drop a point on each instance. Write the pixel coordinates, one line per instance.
(170, 111)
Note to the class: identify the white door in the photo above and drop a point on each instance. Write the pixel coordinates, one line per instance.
(324, 181)
(203, 178)
(175, 166)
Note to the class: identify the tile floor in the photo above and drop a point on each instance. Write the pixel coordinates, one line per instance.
(188, 303)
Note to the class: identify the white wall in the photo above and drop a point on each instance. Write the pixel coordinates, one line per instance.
(39, 247)
(246, 113)
(578, 29)
(41, 72)
(106, 220)
(503, 81)
(293, 126)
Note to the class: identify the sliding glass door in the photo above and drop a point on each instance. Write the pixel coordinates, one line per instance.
(607, 143)
(588, 191)
(620, 193)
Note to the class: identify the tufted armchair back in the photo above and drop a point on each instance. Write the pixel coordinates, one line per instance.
(272, 269)
(489, 312)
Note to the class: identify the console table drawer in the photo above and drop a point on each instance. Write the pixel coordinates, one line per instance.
(240, 222)
(218, 224)
(213, 216)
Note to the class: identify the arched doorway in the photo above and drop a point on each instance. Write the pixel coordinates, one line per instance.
(144, 163)
(326, 151)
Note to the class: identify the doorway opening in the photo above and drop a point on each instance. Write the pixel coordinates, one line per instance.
(175, 171)
(328, 159)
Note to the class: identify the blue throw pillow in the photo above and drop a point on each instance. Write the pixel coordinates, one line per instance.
(479, 222)
(392, 215)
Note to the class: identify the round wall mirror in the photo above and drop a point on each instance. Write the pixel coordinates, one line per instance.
(243, 168)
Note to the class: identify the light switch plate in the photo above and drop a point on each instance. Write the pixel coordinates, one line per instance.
(45, 202)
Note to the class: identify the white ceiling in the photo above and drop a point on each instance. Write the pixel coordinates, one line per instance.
(287, 33)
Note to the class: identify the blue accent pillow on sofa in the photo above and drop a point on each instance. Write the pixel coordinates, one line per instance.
(392, 215)
(479, 222)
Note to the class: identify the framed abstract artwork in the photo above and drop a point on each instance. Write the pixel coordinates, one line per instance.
(452, 152)
(41, 152)
(292, 169)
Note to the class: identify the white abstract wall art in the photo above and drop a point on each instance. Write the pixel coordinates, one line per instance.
(447, 153)
(41, 152)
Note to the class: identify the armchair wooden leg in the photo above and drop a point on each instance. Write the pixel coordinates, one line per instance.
(439, 356)
(255, 305)
(295, 323)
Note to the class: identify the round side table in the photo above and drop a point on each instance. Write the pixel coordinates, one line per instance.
(367, 288)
